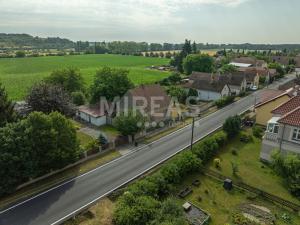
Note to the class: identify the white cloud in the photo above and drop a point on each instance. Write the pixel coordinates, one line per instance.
(108, 16)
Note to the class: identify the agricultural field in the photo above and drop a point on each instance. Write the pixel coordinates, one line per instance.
(19, 74)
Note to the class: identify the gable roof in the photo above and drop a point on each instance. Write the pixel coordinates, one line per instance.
(284, 60)
(150, 92)
(234, 79)
(249, 60)
(292, 118)
(92, 110)
(267, 95)
(288, 106)
(200, 76)
(215, 86)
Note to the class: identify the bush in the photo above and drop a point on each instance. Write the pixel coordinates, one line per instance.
(257, 131)
(288, 167)
(78, 98)
(20, 54)
(224, 101)
(234, 151)
(232, 126)
(217, 163)
(246, 138)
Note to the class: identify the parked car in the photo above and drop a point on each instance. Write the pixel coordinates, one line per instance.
(254, 88)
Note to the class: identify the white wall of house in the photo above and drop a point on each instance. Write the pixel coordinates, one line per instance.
(282, 139)
(208, 95)
(235, 89)
(226, 91)
(97, 121)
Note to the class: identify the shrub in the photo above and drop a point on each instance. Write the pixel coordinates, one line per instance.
(246, 138)
(224, 101)
(234, 151)
(288, 167)
(78, 98)
(257, 131)
(217, 163)
(20, 54)
(232, 126)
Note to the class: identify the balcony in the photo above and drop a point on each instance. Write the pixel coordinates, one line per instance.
(271, 137)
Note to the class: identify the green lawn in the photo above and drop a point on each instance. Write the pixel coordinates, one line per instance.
(221, 204)
(83, 138)
(251, 170)
(18, 75)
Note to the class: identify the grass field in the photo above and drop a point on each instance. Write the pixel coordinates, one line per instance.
(221, 204)
(18, 74)
(251, 170)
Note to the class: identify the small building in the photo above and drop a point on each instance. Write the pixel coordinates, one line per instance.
(195, 215)
(283, 130)
(245, 62)
(92, 114)
(253, 75)
(209, 90)
(211, 87)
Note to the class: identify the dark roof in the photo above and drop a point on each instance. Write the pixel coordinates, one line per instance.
(249, 60)
(292, 118)
(92, 110)
(200, 76)
(216, 86)
(284, 60)
(288, 106)
(235, 79)
(149, 92)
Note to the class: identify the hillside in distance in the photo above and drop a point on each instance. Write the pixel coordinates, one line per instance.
(26, 41)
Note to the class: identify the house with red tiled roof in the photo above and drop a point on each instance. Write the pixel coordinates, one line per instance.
(283, 130)
(266, 101)
(151, 100)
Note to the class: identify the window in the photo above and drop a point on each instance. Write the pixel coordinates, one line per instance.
(273, 128)
(296, 135)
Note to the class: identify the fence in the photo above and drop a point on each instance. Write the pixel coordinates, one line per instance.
(255, 190)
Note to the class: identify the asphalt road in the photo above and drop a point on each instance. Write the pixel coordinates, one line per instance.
(61, 202)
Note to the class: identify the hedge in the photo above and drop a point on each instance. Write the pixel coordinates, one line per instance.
(151, 190)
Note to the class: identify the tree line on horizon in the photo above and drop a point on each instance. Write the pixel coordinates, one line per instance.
(20, 41)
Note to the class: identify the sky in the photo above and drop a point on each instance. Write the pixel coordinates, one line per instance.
(205, 21)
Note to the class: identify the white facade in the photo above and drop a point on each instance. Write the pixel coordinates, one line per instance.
(280, 137)
(206, 95)
(97, 121)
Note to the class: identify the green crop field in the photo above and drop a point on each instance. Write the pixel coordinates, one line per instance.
(18, 74)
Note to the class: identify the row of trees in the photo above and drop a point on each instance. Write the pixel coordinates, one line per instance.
(38, 144)
(144, 201)
(34, 146)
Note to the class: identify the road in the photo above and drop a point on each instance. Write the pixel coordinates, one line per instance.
(61, 202)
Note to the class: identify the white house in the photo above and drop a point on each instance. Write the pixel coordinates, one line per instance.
(209, 90)
(92, 114)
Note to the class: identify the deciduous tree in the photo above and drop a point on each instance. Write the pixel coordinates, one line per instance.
(110, 83)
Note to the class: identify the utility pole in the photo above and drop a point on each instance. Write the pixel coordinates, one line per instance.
(192, 138)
